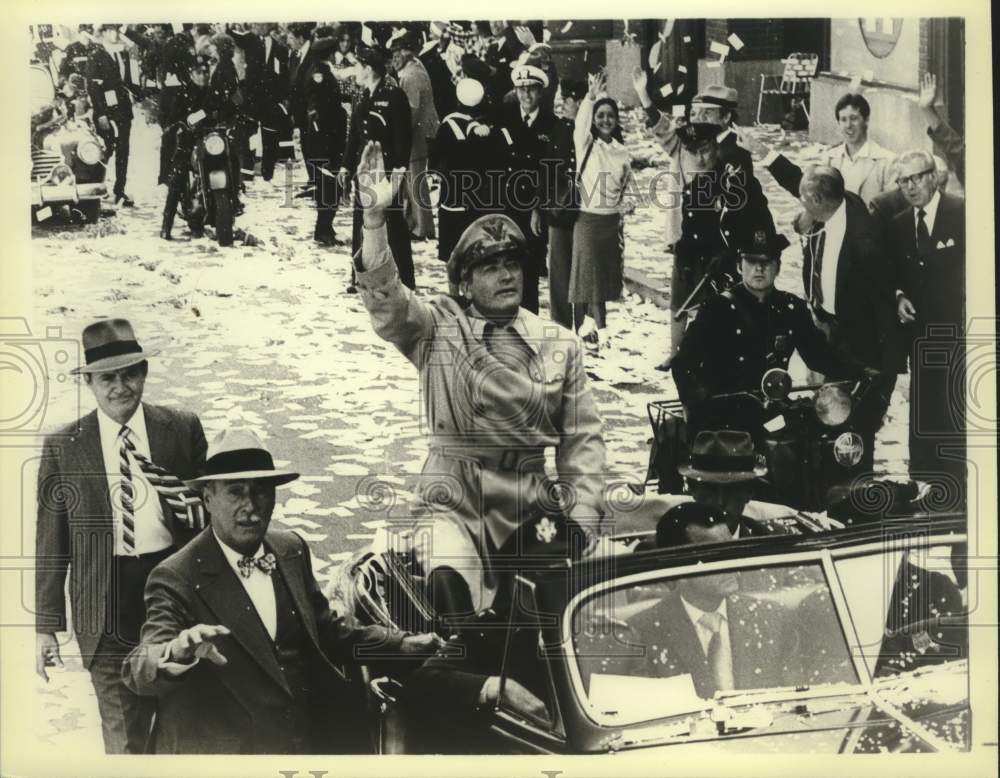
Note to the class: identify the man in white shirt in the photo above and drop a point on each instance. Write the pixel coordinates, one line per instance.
(102, 519)
(245, 599)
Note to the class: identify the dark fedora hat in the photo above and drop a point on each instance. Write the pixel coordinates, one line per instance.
(110, 344)
(723, 456)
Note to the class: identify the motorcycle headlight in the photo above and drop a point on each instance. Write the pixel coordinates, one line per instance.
(848, 449)
(214, 144)
(89, 153)
(61, 174)
(832, 404)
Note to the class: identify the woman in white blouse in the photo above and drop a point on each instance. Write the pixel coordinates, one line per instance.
(604, 173)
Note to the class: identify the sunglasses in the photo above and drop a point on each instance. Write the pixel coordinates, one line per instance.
(914, 179)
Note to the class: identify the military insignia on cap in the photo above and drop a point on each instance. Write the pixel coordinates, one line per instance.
(545, 530)
(760, 238)
(318, 77)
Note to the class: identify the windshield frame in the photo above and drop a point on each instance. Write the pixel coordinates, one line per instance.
(825, 557)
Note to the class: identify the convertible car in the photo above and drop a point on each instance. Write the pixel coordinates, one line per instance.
(835, 637)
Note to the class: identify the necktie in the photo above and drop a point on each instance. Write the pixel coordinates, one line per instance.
(503, 344)
(127, 491)
(818, 239)
(265, 564)
(185, 503)
(720, 661)
(923, 234)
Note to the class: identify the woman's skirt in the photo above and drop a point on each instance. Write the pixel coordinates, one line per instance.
(596, 274)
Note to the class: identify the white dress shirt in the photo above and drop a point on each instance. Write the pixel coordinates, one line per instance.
(930, 213)
(705, 634)
(258, 586)
(529, 118)
(268, 40)
(835, 229)
(151, 532)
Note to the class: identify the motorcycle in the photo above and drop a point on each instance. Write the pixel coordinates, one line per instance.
(202, 183)
(806, 433)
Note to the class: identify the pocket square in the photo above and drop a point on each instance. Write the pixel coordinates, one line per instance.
(950, 243)
(940, 244)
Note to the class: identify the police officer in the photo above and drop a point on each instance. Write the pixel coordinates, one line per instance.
(527, 127)
(78, 52)
(324, 137)
(723, 207)
(742, 333)
(175, 61)
(466, 148)
(383, 116)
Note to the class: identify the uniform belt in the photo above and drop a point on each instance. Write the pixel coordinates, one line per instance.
(509, 459)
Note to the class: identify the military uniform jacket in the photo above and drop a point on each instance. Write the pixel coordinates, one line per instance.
(559, 178)
(523, 175)
(383, 116)
(736, 338)
(477, 407)
(109, 93)
(76, 56)
(465, 150)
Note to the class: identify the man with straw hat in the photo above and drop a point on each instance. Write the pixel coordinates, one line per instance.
(111, 507)
(243, 598)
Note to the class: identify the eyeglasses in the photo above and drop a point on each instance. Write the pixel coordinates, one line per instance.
(914, 179)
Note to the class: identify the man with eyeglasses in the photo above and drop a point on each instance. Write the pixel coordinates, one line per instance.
(928, 266)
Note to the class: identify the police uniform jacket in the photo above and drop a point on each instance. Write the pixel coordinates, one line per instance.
(325, 134)
(110, 94)
(383, 116)
(733, 154)
(736, 338)
(489, 423)
(76, 56)
(717, 218)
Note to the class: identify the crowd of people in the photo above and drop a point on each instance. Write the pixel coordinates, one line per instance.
(522, 193)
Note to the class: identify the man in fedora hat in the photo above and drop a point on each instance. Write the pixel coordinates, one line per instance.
(110, 508)
(716, 104)
(742, 333)
(239, 641)
(500, 385)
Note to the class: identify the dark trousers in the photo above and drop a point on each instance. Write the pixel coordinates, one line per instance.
(125, 716)
(118, 144)
(560, 263)
(271, 150)
(168, 140)
(399, 242)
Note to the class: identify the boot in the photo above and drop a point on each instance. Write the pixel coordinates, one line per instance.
(169, 209)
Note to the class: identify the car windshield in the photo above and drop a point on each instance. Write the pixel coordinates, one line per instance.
(657, 647)
(664, 647)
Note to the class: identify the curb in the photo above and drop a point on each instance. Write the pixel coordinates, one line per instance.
(642, 285)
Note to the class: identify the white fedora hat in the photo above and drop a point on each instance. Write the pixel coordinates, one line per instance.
(235, 455)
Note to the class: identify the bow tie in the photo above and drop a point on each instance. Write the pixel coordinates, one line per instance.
(265, 564)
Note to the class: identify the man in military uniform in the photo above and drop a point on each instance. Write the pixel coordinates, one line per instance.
(109, 80)
(742, 333)
(382, 115)
(527, 127)
(500, 386)
(324, 138)
(78, 52)
(466, 148)
(722, 209)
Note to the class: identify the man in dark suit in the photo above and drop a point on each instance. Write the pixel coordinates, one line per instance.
(300, 59)
(98, 517)
(723, 639)
(269, 85)
(846, 278)
(382, 116)
(928, 269)
(111, 85)
(527, 128)
(238, 639)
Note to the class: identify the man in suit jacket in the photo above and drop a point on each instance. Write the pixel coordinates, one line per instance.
(238, 639)
(98, 517)
(846, 278)
(111, 85)
(300, 59)
(424, 121)
(928, 245)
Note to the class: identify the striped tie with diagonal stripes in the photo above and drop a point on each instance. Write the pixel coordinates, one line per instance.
(127, 491)
(185, 503)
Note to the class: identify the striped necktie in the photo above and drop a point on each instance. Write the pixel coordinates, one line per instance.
(185, 503)
(127, 490)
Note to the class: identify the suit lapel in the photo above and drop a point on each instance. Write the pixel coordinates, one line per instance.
(228, 600)
(683, 642)
(90, 465)
(290, 564)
